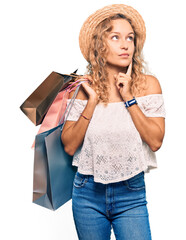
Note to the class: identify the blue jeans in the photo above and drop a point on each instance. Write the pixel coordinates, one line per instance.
(99, 207)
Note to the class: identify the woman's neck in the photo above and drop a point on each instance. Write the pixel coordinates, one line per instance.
(112, 70)
(114, 95)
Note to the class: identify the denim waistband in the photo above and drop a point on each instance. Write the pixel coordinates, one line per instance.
(91, 177)
(84, 175)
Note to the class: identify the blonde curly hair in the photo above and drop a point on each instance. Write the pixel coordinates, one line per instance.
(97, 61)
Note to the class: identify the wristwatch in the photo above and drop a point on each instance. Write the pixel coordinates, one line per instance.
(130, 102)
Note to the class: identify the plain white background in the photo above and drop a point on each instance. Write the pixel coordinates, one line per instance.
(40, 36)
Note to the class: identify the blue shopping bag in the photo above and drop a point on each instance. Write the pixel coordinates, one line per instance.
(53, 170)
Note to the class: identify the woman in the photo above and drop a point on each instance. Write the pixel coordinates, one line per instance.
(112, 134)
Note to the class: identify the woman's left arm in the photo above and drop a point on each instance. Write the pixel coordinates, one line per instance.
(151, 129)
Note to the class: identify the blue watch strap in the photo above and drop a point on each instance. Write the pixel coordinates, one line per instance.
(130, 102)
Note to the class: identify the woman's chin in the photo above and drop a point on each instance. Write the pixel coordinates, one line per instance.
(118, 65)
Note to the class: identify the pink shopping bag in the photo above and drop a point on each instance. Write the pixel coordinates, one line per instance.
(56, 110)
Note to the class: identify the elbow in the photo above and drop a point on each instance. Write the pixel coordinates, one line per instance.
(156, 146)
(156, 143)
(67, 147)
(69, 150)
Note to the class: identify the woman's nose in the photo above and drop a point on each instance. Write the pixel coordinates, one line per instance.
(124, 44)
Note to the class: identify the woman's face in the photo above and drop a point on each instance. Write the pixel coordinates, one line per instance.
(120, 41)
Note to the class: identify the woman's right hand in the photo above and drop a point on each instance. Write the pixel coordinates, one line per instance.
(74, 131)
(87, 88)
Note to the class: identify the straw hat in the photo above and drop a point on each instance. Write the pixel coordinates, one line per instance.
(88, 28)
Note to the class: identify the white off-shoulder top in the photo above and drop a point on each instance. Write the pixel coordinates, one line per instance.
(112, 149)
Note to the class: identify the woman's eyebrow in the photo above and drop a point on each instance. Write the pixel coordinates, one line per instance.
(120, 33)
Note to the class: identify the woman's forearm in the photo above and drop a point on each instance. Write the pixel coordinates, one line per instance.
(73, 135)
(149, 131)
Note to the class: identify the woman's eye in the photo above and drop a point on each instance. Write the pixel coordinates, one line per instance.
(131, 38)
(115, 36)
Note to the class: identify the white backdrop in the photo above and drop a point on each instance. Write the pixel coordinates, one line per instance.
(41, 36)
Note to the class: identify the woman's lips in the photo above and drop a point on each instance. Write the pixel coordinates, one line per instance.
(124, 55)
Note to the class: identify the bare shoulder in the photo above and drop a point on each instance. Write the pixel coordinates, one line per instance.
(153, 85)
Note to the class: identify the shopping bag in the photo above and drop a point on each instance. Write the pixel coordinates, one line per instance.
(54, 113)
(38, 103)
(53, 170)
(57, 109)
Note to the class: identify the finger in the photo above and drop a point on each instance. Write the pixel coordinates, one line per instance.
(115, 76)
(79, 81)
(129, 70)
(89, 76)
(85, 78)
(123, 76)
